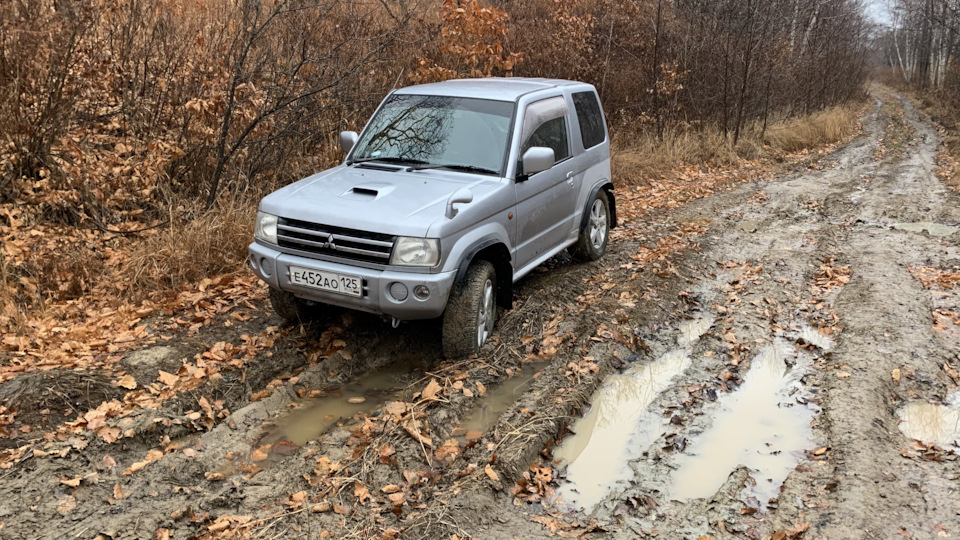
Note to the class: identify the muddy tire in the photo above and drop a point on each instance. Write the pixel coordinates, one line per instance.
(471, 311)
(286, 305)
(592, 243)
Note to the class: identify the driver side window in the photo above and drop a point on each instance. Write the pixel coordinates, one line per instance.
(551, 134)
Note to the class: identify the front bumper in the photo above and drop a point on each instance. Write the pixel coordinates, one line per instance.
(273, 267)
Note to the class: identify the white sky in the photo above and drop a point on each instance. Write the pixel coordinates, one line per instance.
(877, 10)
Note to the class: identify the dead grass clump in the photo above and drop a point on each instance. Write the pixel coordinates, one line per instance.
(212, 243)
(818, 129)
(645, 156)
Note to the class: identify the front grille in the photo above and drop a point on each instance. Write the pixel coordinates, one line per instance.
(335, 241)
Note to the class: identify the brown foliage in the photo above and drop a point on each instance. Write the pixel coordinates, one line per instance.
(121, 121)
(212, 243)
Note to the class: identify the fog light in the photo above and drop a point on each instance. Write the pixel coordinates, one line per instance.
(398, 291)
(421, 292)
(266, 265)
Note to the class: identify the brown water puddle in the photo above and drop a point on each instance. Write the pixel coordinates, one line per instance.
(617, 428)
(691, 331)
(933, 422)
(362, 395)
(761, 426)
(496, 402)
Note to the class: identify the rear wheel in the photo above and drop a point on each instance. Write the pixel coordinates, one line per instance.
(471, 311)
(592, 243)
(286, 305)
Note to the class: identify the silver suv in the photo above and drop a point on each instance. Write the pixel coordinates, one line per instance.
(452, 193)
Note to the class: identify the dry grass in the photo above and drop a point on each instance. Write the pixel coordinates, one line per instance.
(212, 243)
(942, 108)
(643, 156)
(818, 129)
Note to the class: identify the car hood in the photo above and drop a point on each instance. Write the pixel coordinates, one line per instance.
(392, 202)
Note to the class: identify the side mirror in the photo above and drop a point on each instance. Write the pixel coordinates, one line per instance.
(460, 196)
(537, 159)
(347, 140)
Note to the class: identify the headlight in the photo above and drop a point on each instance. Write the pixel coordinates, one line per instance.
(416, 252)
(266, 227)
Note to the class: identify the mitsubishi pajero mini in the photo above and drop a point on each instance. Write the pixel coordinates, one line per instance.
(452, 193)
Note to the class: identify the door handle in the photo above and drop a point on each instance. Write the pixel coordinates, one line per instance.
(570, 176)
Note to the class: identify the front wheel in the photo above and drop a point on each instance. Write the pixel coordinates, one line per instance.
(286, 305)
(593, 240)
(471, 311)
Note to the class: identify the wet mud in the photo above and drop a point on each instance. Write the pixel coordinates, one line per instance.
(780, 372)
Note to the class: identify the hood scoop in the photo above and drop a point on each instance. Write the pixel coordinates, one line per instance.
(367, 192)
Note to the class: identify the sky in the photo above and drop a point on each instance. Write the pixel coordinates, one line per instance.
(877, 10)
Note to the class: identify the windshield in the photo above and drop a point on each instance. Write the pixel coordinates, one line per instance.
(441, 131)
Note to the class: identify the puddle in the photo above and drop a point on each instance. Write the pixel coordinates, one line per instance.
(317, 415)
(497, 400)
(691, 331)
(616, 429)
(760, 426)
(933, 229)
(933, 422)
(815, 338)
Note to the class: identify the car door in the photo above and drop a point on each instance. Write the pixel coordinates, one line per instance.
(545, 199)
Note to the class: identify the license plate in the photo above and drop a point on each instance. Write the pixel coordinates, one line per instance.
(327, 281)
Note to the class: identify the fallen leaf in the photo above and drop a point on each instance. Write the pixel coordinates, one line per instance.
(128, 382)
(414, 430)
(550, 523)
(66, 504)
(431, 391)
(361, 492)
(118, 492)
(895, 374)
(321, 507)
(356, 400)
(297, 499)
(72, 482)
(842, 374)
(260, 454)
(168, 379)
(152, 456)
(390, 488)
(492, 474)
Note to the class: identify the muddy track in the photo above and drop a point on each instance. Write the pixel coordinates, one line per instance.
(780, 308)
(830, 250)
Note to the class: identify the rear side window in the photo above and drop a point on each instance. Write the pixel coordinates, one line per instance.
(590, 118)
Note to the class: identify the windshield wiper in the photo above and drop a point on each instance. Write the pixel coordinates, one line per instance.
(456, 167)
(397, 160)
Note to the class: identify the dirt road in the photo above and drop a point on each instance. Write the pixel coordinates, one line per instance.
(751, 360)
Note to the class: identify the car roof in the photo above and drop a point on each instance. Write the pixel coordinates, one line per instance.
(497, 88)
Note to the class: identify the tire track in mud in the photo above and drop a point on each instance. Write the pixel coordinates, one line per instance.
(767, 270)
(823, 249)
(209, 474)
